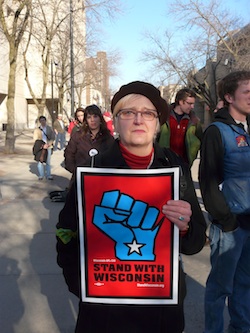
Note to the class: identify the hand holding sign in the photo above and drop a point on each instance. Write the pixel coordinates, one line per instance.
(130, 223)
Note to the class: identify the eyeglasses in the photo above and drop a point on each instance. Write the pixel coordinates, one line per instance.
(131, 114)
(188, 103)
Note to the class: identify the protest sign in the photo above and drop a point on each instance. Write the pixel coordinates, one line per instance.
(129, 250)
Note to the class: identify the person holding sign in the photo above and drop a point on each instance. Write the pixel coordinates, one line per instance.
(136, 109)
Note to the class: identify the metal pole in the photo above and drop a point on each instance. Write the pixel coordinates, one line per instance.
(52, 88)
(72, 60)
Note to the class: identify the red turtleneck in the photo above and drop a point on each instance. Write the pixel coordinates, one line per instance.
(134, 161)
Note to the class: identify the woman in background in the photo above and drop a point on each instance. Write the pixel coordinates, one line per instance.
(76, 123)
(93, 134)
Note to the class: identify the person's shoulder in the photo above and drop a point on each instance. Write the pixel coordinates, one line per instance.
(109, 135)
(195, 120)
(212, 133)
(173, 158)
(80, 129)
(48, 127)
(109, 154)
(76, 136)
(164, 129)
(76, 127)
(215, 125)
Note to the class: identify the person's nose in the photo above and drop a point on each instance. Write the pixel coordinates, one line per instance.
(138, 118)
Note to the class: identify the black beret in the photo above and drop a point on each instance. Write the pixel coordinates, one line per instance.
(141, 88)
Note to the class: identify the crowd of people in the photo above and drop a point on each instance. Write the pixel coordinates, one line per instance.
(150, 134)
(90, 129)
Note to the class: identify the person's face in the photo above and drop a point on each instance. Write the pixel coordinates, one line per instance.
(93, 121)
(42, 122)
(80, 116)
(239, 104)
(187, 105)
(137, 133)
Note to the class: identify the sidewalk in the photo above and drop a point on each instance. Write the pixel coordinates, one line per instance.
(34, 297)
(18, 171)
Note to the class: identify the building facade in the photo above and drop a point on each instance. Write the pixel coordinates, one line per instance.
(44, 73)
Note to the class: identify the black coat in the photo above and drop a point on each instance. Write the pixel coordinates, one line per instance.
(77, 150)
(40, 154)
(131, 318)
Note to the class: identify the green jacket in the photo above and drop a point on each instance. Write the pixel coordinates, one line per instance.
(192, 138)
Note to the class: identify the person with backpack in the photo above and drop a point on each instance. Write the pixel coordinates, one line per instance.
(224, 176)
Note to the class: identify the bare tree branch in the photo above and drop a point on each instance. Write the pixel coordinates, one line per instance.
(211, 37)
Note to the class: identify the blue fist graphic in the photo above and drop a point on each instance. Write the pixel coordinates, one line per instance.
(130, 223)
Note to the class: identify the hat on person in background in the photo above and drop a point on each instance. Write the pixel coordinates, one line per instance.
(141, 88)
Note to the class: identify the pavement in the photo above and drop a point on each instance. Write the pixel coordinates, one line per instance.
(34, 296)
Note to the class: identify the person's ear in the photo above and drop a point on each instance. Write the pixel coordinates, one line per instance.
(229, 98)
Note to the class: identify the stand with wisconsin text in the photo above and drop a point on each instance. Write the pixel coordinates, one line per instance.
(140, 273)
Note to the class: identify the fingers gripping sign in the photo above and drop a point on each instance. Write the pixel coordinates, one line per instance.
(130, 223)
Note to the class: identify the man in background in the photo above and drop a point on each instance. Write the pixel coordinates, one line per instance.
(224, 177)
(182, 131)
(60, 132)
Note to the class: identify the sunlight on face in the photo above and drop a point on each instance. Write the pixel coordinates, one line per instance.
(187, 105)
(137, 134)
(239, 104)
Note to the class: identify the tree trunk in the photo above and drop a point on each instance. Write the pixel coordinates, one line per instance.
(10, 131)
